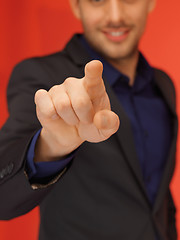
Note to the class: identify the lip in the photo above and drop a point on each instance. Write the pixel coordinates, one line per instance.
(116, 35)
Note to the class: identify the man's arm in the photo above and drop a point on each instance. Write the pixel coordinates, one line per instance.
(17, 195)
(59, 136)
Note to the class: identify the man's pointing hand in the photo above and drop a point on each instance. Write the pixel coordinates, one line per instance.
(73, 112)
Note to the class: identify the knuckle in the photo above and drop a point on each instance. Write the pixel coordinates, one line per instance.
(39, 94)
(72, 82)
(81, 103)
(91, 84)
(95, 87)
(53, 89)
(62, 106)
(69, 80)
(49, 112)
(97, 93)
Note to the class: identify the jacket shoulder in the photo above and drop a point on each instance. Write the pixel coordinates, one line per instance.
(162, 75)
(165, 83)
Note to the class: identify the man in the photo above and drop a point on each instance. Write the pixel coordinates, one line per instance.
(91, 184)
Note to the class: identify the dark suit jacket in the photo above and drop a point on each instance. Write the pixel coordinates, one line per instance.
(102, 194)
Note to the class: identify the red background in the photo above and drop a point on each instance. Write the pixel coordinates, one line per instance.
(37, 27)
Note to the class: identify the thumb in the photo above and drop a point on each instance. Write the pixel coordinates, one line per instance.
(107, 122)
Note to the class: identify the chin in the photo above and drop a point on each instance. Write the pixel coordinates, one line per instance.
(119, 54)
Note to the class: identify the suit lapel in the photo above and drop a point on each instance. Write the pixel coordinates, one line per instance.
(77, 52)
(125, 137)
(168, 93)
(166, 88)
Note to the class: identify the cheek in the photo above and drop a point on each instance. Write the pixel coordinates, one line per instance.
(140, 20)
(89, 24)
(93, 20)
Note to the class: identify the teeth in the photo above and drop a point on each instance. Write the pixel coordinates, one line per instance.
(116, 34)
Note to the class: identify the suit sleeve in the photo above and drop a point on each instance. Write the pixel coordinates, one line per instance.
(172, 232)
(18, 196)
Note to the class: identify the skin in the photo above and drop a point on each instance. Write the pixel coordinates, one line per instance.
(71, 117)
(99, 18)
(113, 28)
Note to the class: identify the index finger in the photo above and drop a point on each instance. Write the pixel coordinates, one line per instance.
(93, 81)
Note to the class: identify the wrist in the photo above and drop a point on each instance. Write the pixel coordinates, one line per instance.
(48, 148)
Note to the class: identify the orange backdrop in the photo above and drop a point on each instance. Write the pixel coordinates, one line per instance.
(37, 27)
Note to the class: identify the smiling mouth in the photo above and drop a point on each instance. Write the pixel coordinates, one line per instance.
(117, 36)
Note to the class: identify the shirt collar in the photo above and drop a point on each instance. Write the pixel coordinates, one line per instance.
(144, 71)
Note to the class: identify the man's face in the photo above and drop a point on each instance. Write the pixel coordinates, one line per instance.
(113, 27)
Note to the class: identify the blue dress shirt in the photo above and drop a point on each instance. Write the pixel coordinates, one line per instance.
(149, 117)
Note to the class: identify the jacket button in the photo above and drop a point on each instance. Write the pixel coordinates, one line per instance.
(10, 168)
(2, 173)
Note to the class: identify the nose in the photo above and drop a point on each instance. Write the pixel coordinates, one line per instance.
(115, 11)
